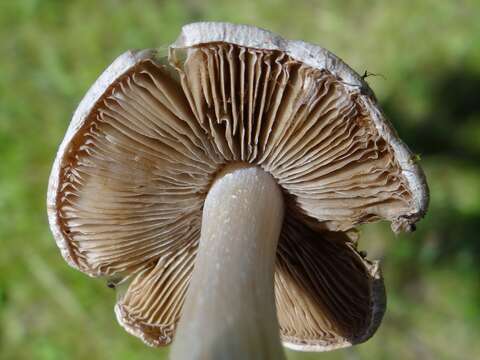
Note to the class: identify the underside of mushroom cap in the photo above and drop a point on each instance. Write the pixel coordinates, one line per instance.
(128, 184)
(314, 56)
(333, 297)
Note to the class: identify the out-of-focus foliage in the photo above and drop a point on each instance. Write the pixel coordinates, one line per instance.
(428, 53)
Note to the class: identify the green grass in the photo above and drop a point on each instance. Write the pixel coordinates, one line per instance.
(429, 55)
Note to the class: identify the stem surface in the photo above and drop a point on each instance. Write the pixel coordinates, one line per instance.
(229, 311)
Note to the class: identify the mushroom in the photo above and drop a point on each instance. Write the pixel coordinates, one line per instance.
(219, 187)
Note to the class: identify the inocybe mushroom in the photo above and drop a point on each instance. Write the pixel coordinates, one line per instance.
(220, 185)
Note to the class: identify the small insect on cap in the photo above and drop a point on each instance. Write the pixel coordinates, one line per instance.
(127, 187)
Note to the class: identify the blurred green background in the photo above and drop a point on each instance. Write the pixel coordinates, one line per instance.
(429, 55)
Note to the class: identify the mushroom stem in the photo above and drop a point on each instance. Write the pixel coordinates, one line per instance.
(229, 311)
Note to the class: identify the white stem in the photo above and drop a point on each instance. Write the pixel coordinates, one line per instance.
(229, 311)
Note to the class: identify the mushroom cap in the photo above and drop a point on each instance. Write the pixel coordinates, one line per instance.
(127, 186)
